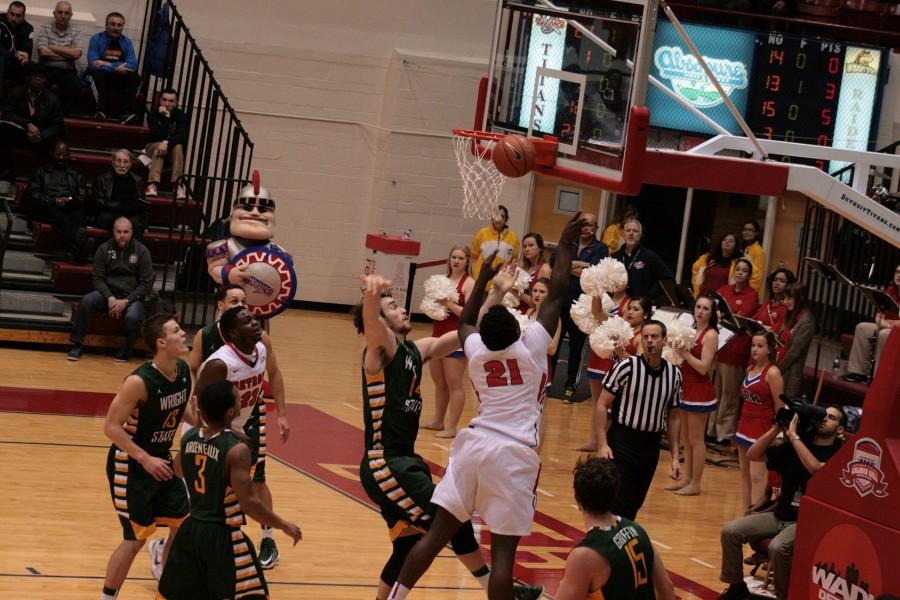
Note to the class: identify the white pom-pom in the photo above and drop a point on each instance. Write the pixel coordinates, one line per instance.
(433, 310)
(607, 302)
(510, 300)
(679, 336)
(601, 343)
(439, 287)
(605, 276)
(612, 334)
(523, 280)
(524, 321)
(582, 315)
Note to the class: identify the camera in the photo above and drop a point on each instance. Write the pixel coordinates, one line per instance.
(809, 415)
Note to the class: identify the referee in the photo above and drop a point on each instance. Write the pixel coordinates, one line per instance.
(642, 389)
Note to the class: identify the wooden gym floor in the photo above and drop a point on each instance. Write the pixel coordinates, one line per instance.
(59, 527)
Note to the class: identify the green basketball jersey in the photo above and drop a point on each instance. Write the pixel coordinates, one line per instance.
(203, 462)
(153, 424)
(392, 403)
(629, 552)
(211, 339)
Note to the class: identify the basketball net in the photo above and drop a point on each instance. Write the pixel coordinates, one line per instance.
(482, 182)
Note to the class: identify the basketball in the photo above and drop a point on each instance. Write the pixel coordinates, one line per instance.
(514, 155)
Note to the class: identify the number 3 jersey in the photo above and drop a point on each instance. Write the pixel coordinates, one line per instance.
(153, 423)
(246, 374)
(510, 384)
(206, 476)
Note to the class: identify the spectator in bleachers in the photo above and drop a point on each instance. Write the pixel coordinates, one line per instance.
(752, 249)
(614, 234)
(57, 195)
(645, 267)
(123, 276)
(796, 335)
(167, 139)
(112, 65)
(120, 193)
(15, 44)
(495, 237)
(859, 365)
(33, 119)
(59, 48)
(715, 268)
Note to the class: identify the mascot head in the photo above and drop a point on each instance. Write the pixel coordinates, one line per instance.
(253, 213)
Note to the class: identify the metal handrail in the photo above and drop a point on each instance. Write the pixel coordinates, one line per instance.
(217, 161)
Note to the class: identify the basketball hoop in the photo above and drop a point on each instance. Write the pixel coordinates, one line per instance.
(482, 182)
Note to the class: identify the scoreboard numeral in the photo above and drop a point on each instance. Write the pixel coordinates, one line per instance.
(800, 87)
(789, 135)
(830, 91)
(826, 116)
(793, 112)
(800, 61)
(834, 65)
(773, 82)
(768, 131)
(776, 56)
(823, 140)
(768, 108)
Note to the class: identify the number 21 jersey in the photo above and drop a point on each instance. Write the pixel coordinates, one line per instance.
(510, 384)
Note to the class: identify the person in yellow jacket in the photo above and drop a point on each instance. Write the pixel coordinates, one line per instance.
(716, 267)
(753, 250)
(496, 236)
(614, 234)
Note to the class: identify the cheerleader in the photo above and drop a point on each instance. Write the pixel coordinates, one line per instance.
(771, 314)
(699, 395)
(533, 263)
(761, 393)
(447, 373)
(633, 310)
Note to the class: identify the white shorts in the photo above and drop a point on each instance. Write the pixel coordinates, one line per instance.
(493, 475)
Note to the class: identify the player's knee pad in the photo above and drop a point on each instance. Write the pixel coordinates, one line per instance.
(402, 547)
(463, 541)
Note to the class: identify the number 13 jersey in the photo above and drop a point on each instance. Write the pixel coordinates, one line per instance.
(510, 384)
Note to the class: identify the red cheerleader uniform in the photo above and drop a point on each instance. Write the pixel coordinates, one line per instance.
(772, 313)
(758, 409)
(598, 367)
(699, 393)
(451, 323)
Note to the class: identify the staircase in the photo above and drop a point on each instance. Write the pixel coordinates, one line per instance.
(40, 287)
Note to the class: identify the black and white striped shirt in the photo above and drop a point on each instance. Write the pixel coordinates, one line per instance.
(643, 395)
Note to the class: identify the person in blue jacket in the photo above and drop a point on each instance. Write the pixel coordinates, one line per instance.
(112, 65)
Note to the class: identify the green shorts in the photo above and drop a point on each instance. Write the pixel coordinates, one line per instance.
(211, 561)
(142, 502)
(401, 486)
(255, 428)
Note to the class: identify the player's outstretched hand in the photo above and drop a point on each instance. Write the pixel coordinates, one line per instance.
(374, 284)
(572, 230)
(292, 531)
(158, 468)
(506, 278)
(489, 268)
(284, 428)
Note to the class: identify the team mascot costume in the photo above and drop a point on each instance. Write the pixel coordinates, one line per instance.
(249, 258)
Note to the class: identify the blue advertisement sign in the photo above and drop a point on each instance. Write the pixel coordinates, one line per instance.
(729, 54)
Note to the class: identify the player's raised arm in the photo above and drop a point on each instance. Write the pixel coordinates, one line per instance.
(237, 464)
(437, 347)
(548, 316)
(132, 393)
(381, 343)
(276, 385)
(469, 317)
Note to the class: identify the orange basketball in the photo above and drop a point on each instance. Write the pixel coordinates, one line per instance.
(514, 155)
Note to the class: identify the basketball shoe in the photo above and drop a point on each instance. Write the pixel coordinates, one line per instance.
(524, 591)
(268, 553)
(155, 548)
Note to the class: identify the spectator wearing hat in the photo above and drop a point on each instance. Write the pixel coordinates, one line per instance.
(32, 119)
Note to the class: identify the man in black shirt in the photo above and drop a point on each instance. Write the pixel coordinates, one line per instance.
(645, 267)
(167, 139)
(15, 43)
(56, 196)
(796, 460)
(123, 276)
(120, 193)
(31, 117)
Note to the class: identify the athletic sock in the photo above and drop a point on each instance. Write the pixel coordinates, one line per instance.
(398, 592)
(267, 532)
(108, 593)
(483, 575)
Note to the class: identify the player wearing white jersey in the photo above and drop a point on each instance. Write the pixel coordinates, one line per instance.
(493, 463)
(243, 361)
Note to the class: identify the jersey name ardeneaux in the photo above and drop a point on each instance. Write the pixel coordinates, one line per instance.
(206, 476)
(153, 423)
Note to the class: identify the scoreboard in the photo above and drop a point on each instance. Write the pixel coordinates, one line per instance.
(796, 89)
